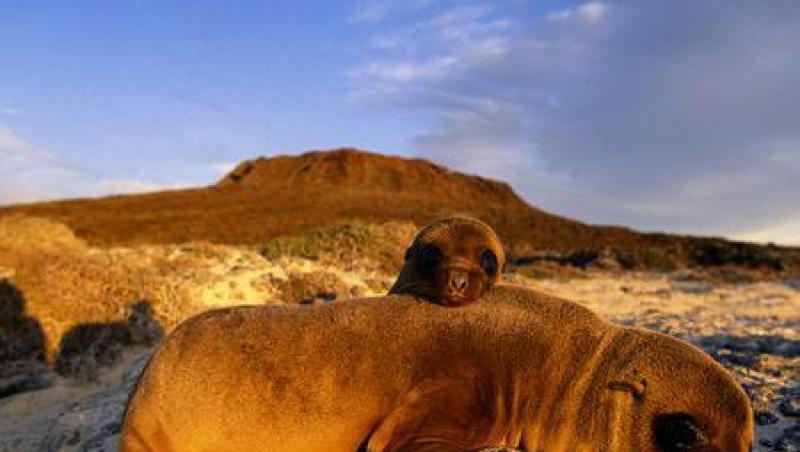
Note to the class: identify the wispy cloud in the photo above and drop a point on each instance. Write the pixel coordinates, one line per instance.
(661, 116)
(367, 11)
(30, 173)
(432, 49)
(14, 146)
(8, 111)
(589, 12)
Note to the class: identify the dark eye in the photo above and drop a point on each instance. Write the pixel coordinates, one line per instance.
(430, 256)
(678, 432)
(489, 262)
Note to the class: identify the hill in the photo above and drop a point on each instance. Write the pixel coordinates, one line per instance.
(290, 195)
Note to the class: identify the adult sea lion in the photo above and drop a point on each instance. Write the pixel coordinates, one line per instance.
(515, 369)
(452, 262)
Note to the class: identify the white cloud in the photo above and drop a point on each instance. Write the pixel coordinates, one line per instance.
(405, 71)
(589, 12)
(372, 10)
(592, 11)
(671, 116)
(460, 15)
(376, 10)
(432, 49)
(787, 232)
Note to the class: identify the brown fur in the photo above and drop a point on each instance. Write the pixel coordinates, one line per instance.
(515, 369)
(456, 276)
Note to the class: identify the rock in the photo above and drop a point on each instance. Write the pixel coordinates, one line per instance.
(626, 260)
(693, 287)
(25, 382)
(583, 258)
(790, 405)
(790, 440)
(87, 348)
(106, 440)
(719, 253)
(794, 284)
(87, 424)
(765, 418)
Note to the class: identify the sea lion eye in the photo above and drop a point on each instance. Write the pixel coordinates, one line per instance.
(489, 262)
(430, 256)
(678, 432)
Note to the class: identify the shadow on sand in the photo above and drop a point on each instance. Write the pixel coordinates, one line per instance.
(22, 345)
(88, 347)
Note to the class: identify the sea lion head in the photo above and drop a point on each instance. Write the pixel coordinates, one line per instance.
(673, 397)
(452, 262)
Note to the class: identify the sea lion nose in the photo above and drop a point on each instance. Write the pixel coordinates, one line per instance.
(458, 280)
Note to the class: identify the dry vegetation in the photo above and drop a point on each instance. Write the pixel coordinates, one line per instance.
(288, 196)
(66, 283)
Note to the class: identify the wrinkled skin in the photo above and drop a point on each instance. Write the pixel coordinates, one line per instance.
(515, 369)
(452, 262)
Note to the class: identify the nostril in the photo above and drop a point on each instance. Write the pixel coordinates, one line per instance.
(458, 280)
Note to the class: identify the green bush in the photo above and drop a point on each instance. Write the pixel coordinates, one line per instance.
(348, 243)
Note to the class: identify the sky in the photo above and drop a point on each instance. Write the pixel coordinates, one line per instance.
(679, 116)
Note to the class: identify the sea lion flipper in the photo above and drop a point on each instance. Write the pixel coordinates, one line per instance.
(443, 415)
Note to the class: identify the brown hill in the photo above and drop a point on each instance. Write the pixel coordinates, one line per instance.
(289, 195)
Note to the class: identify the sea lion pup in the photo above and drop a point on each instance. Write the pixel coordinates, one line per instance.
(452, 262)
(398, 373)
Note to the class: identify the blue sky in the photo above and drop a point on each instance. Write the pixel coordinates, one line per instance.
(680, 116)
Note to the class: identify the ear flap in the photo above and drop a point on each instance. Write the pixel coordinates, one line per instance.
(408, 252)
(630, 380)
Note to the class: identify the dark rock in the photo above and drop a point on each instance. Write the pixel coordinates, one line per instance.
(583, 258)
(626, 260)
(541, 256)
(785, 446)
(790, 440)
(142, 326)
(765, 418)
(26, 382)
(719, 253)
(790, 405)
(89, 347)
(105, 440)
(21, 337)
